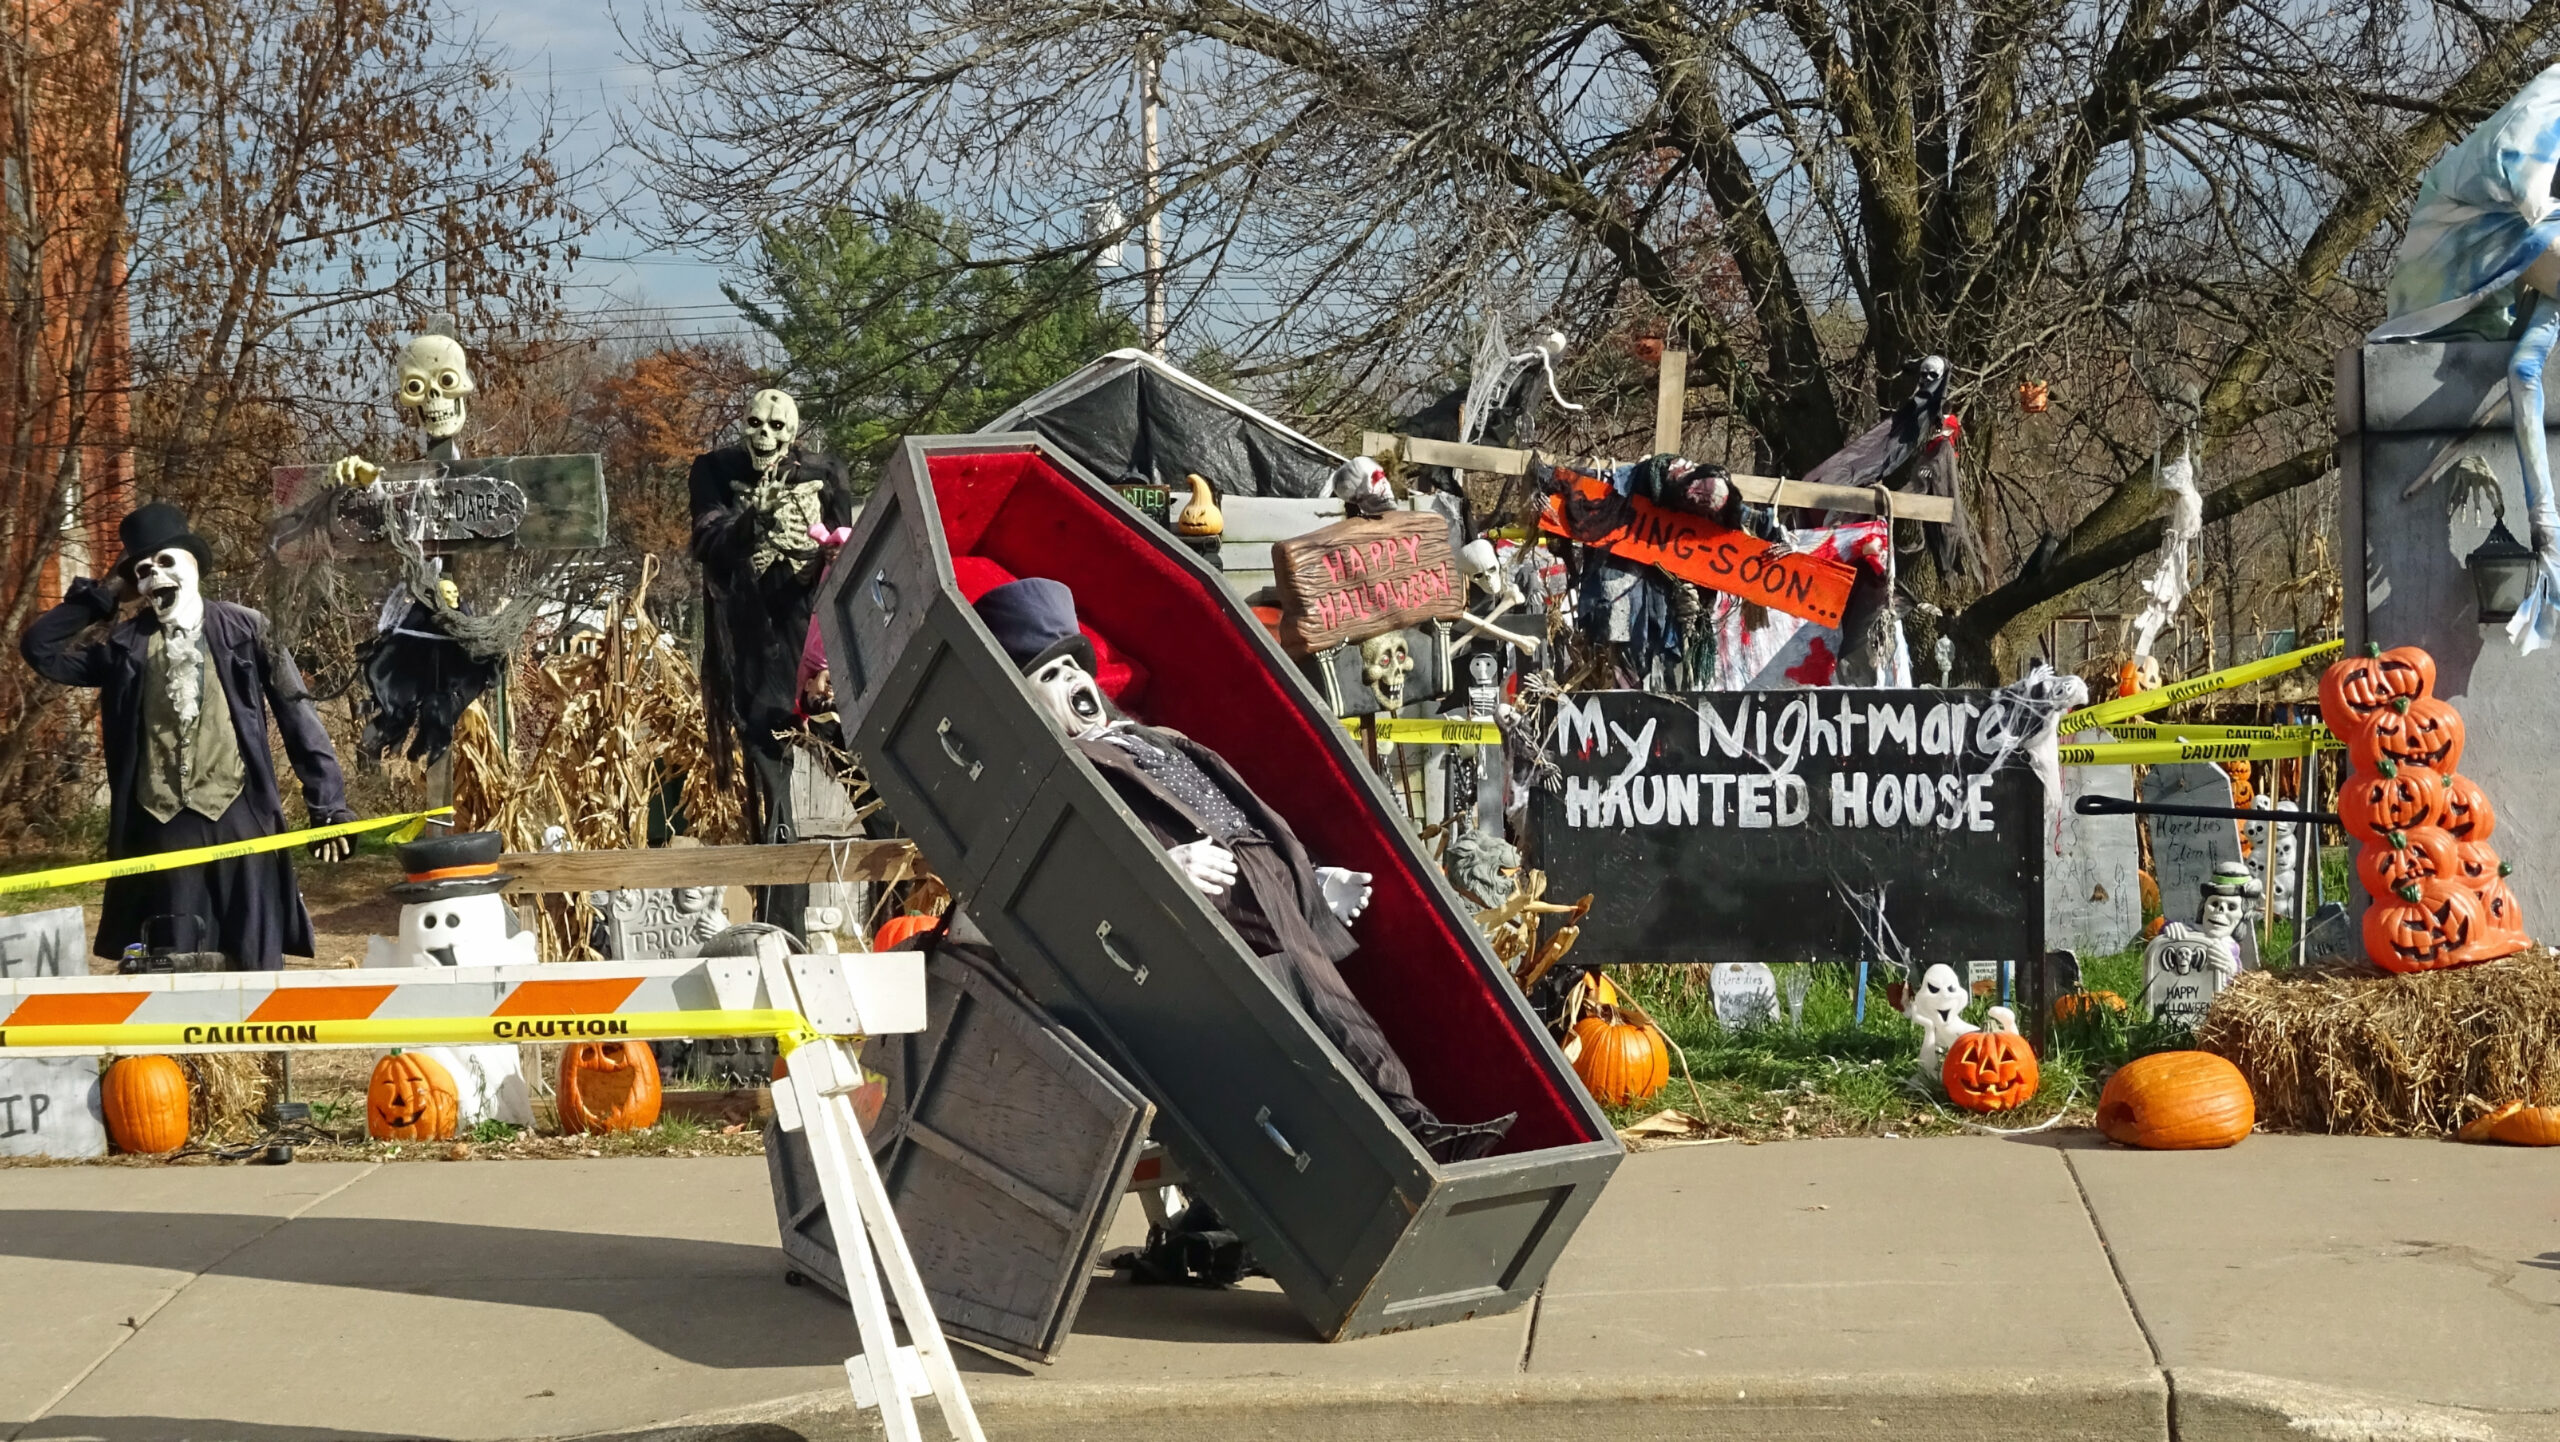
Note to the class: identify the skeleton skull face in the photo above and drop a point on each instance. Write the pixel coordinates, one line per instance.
(2222, 915)
(436, 385)
(1385, 662)
(772, 424)
(170, 582)
(1070, 697)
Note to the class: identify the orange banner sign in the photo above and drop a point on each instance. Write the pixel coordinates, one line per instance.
(1717, 557)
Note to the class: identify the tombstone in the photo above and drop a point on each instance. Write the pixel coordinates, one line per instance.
(2186, 849)
(1746, 994)
(50, 1106)
(44, 943)
(2093, 884)
(824, 809)
(2330, 932)
(646, 923)
(2178, 978)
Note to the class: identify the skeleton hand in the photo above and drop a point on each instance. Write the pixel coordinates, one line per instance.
(353, 471)
(336, 848)
(1346, 893)
(1210, 866)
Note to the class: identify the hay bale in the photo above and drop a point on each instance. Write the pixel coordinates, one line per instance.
(2355, 1051)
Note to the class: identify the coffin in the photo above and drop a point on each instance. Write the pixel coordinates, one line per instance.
(1358, 1225)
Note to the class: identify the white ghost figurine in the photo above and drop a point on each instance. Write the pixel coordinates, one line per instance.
(1937, 1004)
(451, 914)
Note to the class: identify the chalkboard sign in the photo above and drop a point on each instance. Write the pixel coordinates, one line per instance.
(1726, 826)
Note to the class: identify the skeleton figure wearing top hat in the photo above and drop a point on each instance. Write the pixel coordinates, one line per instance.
(185, 687)
(1296, 915)
(766, 514)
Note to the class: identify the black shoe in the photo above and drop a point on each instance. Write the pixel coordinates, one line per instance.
(1455, 1142)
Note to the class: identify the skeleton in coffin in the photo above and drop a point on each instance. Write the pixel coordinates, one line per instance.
(185, 690)
(766, 514)
(1242, 856)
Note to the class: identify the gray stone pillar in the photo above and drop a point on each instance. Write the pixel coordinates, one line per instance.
(2406, 411)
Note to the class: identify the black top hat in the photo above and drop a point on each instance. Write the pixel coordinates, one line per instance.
(157, 527)
(1035, 621)
(443, 867)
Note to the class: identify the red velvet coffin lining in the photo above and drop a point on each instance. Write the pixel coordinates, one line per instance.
(1199, 675)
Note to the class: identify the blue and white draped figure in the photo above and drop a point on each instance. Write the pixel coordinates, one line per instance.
(2482, 254)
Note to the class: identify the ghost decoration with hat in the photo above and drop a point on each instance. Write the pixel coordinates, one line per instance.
(187, 688)
(452, 913)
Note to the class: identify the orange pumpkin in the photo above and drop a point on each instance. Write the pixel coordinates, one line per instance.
(2426, 926)
(2177, 1101)
(608, 1086)
(2352, 690)
(2075, 1005)
(1621, 1060)
(2516, 1125)
(898, 930)
(2467, 812)
(411, 1099)
(145, 1099)
(2505, 914)
(2393, 798)
(2406, 856)
(2420, 732)
(1991, 1070)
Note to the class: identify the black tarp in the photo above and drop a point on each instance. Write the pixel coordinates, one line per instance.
(1145, 423)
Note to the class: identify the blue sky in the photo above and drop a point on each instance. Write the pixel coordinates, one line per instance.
(571, 48)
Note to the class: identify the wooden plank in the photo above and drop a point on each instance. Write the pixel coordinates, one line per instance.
(1815, 496)
(797, 864)
(1670, 402)
(1422, 452)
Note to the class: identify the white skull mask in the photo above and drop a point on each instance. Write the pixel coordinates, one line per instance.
(436, 385)
(772, 424)
(1071, 698)
(1385, 662)
(171, 582)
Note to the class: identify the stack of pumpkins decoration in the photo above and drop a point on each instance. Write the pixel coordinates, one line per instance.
(2439, 892)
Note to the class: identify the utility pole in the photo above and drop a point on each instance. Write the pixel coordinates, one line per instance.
(1147, 163)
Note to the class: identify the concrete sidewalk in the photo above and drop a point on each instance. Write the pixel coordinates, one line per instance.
(2292, 1287)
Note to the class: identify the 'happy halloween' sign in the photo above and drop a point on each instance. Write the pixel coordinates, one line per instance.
(1729, 826)
(1717, 557)
(1360, 578)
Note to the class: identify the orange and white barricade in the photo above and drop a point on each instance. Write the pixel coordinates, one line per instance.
(818, 1007)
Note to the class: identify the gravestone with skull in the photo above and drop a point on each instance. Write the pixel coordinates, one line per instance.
(2186, 966)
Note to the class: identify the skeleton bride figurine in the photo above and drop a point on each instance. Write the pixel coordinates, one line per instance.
(2483, 255)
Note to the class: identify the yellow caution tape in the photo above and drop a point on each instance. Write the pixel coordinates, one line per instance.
(1426, 731)
(61, 876)
(2142, 703)
(2161, 753)
(408, 1031)
(2171, 731)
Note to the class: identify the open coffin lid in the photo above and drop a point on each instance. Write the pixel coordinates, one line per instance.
(1364, 1231)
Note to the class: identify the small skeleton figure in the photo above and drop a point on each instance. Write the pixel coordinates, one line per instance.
(2186, 966)
(766, 514)
(1937, 1004)
(433, 385)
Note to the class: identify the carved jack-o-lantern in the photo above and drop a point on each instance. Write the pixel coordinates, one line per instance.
(2506, 916)
(2422, 732)
(2391, 798)
(2352, 690)
(1992, 1070)
(2406, 856)
(2426, 926)
(2468, 816)
(412, 1099)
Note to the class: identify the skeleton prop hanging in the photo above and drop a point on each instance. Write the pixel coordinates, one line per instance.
(766, 513)
(186, 689)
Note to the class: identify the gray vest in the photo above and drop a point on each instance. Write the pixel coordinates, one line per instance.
(187, 768)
